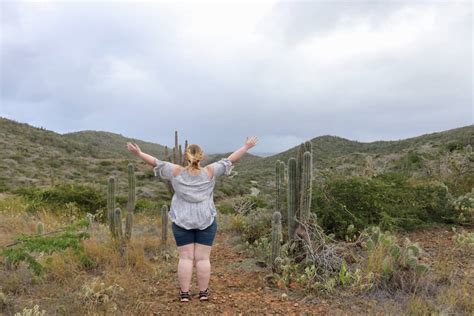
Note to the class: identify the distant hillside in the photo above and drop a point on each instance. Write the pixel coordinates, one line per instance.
(35, 156)
(435, 154)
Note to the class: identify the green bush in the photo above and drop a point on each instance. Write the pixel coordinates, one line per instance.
(144, 205)
(27, 245)
(258, 223)
(86, 198)
(225, 208)
(259, 201)
(253, 226)
(454, 145)
(389, 201)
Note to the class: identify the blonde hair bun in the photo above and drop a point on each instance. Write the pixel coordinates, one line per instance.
(194, 154)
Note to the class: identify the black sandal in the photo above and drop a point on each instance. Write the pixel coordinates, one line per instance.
(204, 295)
(184, 296)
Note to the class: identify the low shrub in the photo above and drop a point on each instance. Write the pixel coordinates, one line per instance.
(252, 226)
(86, 198)
(388, 200)
(27, 246)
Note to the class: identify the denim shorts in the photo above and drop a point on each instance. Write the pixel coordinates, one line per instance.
(189, 236)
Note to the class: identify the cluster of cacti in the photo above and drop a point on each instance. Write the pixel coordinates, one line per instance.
(464, 206)
(178, 153)
(405, 256)
(178, 157)
(300, 174)
(164, 223)
(276, 239)
(115, 214)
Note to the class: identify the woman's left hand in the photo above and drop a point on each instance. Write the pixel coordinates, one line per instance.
(134, 148)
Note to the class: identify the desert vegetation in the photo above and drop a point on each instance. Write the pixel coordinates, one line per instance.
(331, 226)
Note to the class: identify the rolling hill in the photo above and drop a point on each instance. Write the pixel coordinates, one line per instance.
(35, 156)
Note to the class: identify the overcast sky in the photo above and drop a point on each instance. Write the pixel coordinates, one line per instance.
(218, 71)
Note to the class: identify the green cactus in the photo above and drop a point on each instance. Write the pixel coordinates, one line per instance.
(306, 186)
(299, 170)
(40, 228)
(111, 203)
(176, 148)
(292, 198)
(398, 257)
(180, 156)
(308, 146)
(413, 250)
(118, 233)
(131, 202)
(468, 150)
(276, 238)
(395, 251)
(164, 223)
(184, 152)
(167, 154)
(279, 183)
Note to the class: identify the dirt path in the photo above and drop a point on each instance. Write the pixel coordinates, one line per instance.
(238, 286)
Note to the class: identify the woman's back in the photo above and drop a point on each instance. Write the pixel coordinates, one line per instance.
(193, 187)
(192, 205)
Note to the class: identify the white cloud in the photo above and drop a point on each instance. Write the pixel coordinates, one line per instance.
(217, 71)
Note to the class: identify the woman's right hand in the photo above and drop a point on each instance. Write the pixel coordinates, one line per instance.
(251, 142)
(134, 148)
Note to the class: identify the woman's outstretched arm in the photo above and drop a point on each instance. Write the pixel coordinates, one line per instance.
(149, 159)
(249, 143)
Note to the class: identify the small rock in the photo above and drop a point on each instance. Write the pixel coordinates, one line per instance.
(295, 305)
(284, 296)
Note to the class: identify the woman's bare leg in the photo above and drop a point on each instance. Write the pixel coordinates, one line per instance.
(185, 266)
(203, 265)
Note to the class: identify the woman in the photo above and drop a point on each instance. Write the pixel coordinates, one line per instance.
(192, 211)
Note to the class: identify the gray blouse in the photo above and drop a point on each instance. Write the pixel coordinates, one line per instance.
(192, 205)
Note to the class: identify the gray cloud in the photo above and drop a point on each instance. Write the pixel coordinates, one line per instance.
(285, 71)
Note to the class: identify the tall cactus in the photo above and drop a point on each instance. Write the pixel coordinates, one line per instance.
(167, 182)
(279, 184)
(167, 154)
(276, 238)
(306, 186)
(164, 223)
(291, 198)
(308, 146)
(176, 148)
(111, 203)
(184, 153)
(131, 202)
(299, 170)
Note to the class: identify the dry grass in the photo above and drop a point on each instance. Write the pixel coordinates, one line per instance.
(16, 219)
(113, 283)
(131, 284)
